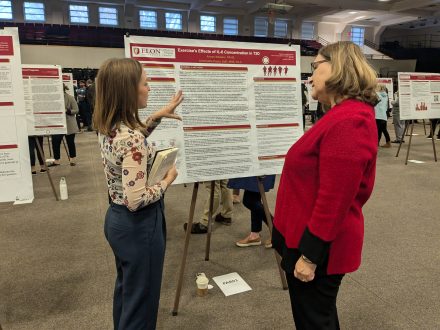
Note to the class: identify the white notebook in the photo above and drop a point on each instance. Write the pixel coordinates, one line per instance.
(162, 162)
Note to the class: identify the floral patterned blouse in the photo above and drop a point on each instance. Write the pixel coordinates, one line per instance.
(127, 158)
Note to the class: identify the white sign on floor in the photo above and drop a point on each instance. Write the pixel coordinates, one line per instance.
(231, 284)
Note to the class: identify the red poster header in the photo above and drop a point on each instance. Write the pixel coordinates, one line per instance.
(196, 54)
(40, 72)
(420, 77)
(66, 77)
(6, 46)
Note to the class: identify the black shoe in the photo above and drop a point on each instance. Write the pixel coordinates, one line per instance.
(42, 170)
(34, 172)
(197, 228)
(429, 136)
(397, 141)
(221, 219)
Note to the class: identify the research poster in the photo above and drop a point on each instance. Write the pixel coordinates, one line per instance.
(388, 83)
(242, 107)
(44, 99)
(313, 104)
(68, 81)
(419, 95)
(15, 169)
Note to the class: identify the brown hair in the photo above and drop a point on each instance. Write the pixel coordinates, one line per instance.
(116, 99)
(352, 76)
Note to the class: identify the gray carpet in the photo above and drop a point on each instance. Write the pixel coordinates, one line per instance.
(57, 271)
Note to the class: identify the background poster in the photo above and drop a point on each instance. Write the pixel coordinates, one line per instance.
(68, 81)
(313, 104)
(419, 95)
(44, 99)
(15, 169)
(242, 108)
(388, 82)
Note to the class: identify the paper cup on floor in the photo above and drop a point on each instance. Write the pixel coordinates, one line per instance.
(202, 286)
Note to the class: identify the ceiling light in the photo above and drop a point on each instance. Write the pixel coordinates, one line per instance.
(359, 17)
(353, 12)
(384, 0)
(250, 1)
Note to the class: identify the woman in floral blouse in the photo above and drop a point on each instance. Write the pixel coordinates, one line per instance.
(134, 223)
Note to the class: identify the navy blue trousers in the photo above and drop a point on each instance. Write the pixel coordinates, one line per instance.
(138, 243)
(252, 201)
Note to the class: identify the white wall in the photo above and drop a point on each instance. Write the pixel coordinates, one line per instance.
(68, 56)
(93, 57)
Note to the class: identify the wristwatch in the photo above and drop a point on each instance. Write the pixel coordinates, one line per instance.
(303, 257)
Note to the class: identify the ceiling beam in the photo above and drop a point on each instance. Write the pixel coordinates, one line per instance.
(199, 4)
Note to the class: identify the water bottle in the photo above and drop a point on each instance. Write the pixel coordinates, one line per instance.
(63, 189)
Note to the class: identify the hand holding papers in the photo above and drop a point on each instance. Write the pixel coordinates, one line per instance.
(163, 161)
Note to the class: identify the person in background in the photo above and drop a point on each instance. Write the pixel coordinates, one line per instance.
(90, 96)
(84, 108)
(434, 123)
(223, 196)
(304, 103)
(328, 176)
(32, 148)
(381, 116)
(236, 196)
(134, 223)
(252, 201)
(399, 125)
(71, 111)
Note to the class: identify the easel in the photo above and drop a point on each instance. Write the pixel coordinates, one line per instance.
(407, 124)
(208, 237)
(40, 150)
(64, 143)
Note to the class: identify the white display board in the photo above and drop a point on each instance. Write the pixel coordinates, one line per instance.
(15, 168)
(68, 81)
(242, 107)
(419, 95)
(388, 82)
(44, 99)
(313, 104)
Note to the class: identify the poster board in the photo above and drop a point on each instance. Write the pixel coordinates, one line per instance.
(44, 99)
(242, 107)
(419, 95)
(68, 81)
(313, 104)
(388, 82)
(15, 169)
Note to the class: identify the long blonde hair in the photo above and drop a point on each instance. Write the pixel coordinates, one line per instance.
(116, 99)
(351, 76)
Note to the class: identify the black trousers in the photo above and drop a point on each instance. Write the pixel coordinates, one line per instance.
(33, 147)
(252, 201)
(56, 145)
(314, 303)
(434, 123)
(85, 113)
(382, 128)
(138, 243)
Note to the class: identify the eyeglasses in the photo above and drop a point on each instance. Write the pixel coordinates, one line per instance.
(314, 65)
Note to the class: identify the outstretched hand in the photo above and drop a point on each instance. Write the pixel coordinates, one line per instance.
(168, 110)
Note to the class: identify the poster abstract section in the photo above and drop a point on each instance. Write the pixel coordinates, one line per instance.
(242, 104)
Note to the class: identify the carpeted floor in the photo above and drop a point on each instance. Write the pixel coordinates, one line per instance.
(57, 271)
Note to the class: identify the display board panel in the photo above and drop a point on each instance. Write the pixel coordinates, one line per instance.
(242, 107)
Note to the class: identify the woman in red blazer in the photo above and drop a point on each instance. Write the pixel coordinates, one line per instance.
(327, 177)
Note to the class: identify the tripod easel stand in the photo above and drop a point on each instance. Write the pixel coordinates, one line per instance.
(407, 124)
(208, 237)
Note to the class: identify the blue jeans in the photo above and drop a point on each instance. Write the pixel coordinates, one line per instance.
(138, 243)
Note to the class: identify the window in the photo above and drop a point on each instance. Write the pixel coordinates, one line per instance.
(108, 16)
(148, 19)
(79, 14)
(34, 11)
(280, 28)
(260, 27)
(308, 30)
(173, 21)
(357, 35)
(230, 26)
(5, 10)
(207, 23)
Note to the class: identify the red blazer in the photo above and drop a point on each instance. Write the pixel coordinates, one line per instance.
(327, 177)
